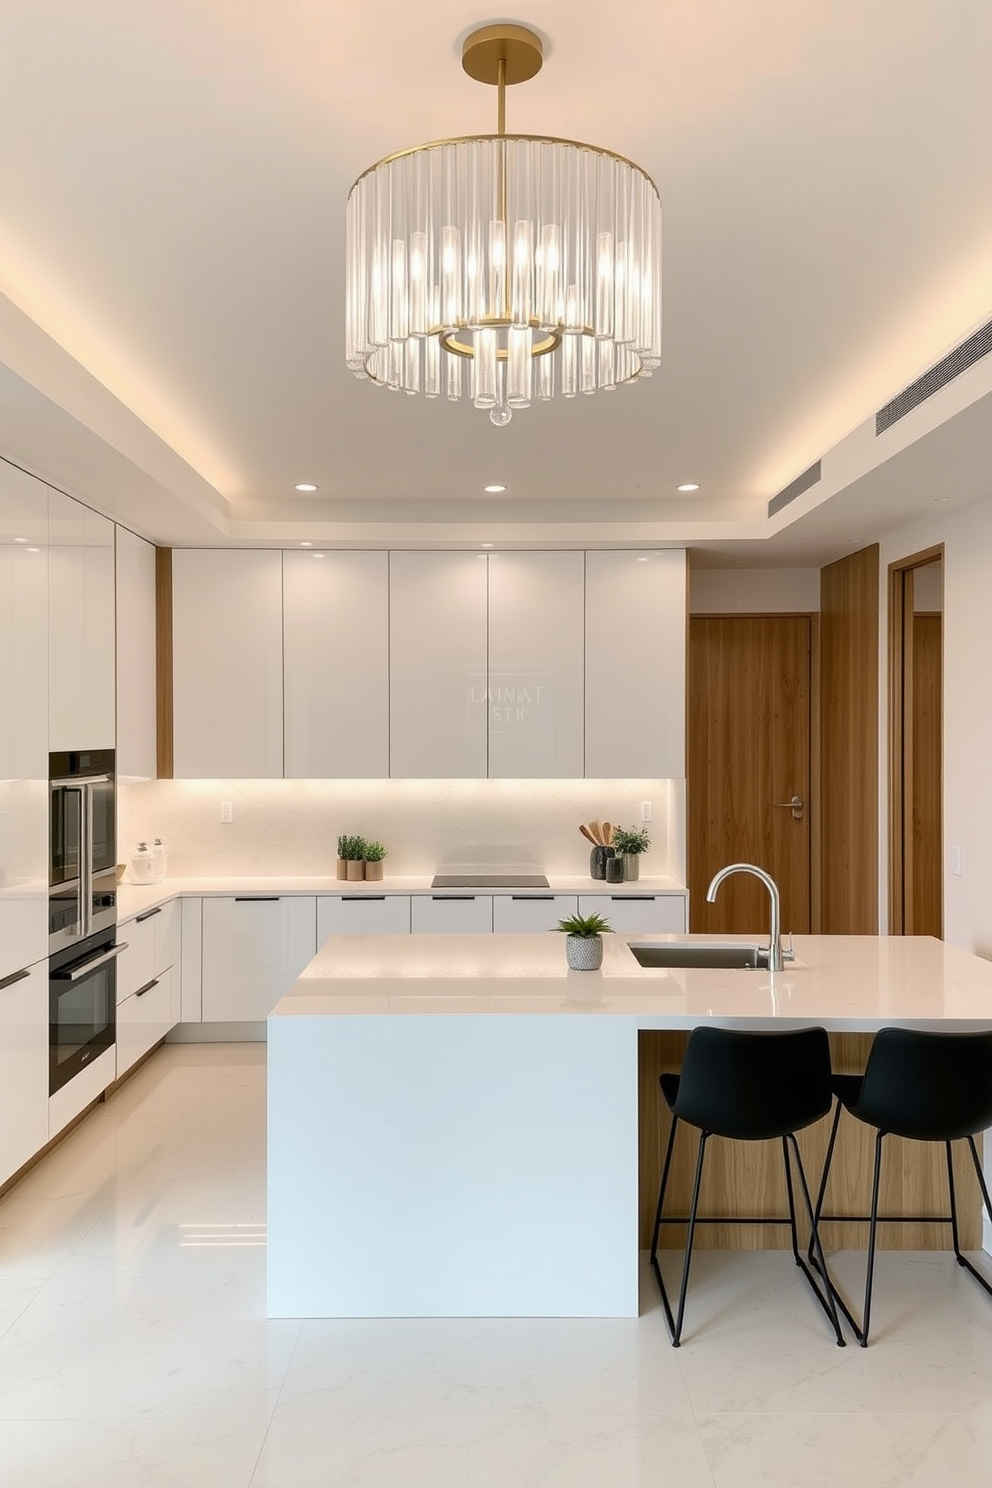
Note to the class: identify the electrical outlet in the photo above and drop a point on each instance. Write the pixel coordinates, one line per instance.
(957, 860)
(227, 811)
(647, 811)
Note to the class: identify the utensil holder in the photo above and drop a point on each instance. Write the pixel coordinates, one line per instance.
(598, 859)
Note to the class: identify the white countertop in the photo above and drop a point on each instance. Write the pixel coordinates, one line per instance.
(842, 982)
(133, 899)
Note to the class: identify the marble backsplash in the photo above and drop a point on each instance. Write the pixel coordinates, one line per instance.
(291, 826)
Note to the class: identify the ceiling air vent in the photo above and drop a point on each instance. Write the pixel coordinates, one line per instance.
(945, 371)
(795, 489)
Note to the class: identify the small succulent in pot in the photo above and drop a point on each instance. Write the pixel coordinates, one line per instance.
(374, 854)
(584, 945)
(629, 843)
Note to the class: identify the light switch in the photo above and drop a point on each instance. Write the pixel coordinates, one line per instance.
(647, 811)
(227, 811)
(957, 860)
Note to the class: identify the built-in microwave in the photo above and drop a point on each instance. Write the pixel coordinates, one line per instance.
(82, 875)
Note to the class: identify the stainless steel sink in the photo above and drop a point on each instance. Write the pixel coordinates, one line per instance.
(700, 953)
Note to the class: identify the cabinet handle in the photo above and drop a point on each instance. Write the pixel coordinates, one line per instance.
(78, 972)
(140, 919)
(634, 898)
(454, 898)
(256, 898)
(534, 898)
(147, 987)
(363, 898)
(15, 976)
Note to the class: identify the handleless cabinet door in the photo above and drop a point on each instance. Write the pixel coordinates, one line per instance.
(23, 1068)
(635, 664)
(136, 657)
(227, 663)
(536, 618)
(336, 623)
(82, 626)
(253, 950)
(437, 665)
(23, 719)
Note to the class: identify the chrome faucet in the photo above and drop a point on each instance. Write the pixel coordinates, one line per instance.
(776, 955)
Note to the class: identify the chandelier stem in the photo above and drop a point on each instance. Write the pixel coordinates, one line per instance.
(501, 96)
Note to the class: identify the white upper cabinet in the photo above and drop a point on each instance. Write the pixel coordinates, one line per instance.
(227, 663)
(438, 675)
(82, 639)
(136, 657)
(536, 663)
(336, 650)
(23, 720)
(635, 664)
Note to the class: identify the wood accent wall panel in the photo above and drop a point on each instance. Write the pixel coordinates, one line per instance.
(163, 661)
(926, 886)
(747, 1177)
(849, 598)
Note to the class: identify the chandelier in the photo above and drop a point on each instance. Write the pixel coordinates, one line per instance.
(503, 266)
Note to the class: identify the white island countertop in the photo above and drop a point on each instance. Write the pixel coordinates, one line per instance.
(844, 982)
(453, 1119)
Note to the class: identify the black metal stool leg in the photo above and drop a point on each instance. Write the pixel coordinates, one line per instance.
(826, 1296)
(955, 1240)
(821, 1194)
(792, 1201)
(963, 1260)
(872, 1234)
(655, 1264)
(690, 1236)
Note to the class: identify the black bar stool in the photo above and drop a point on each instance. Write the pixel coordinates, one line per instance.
(931, 1087)
(749, 1087)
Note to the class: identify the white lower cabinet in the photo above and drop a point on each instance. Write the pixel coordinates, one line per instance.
(362, 914)
(146, 1017)
(254, 948)
(638, 914)
(516, 913)
(451, 914)
(23, 1067)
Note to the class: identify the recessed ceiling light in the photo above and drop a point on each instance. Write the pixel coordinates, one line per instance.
(316, 555)
(487, 545)
(494, 490)
(306, 545)
(305, 486)
(33, 550)
(642, 560)
(688, 486)
(20, 539)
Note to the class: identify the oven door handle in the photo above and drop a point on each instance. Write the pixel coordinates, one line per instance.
(78, 972)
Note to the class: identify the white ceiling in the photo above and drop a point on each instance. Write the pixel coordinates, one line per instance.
(173, 177)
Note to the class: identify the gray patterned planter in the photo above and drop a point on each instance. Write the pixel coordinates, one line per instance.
(584, 952)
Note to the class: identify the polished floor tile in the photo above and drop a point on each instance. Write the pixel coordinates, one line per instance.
(135, 1351)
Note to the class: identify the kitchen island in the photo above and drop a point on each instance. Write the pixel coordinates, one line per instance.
(454, 1120)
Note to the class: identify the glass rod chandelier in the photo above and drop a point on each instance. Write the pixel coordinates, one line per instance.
(503, 266)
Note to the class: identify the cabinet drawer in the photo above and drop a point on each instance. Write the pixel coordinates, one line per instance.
(451, 914)
(520, 912)
(144, 1018)
(136, 965)
(254, 948)
(637, 914)
(362, 914)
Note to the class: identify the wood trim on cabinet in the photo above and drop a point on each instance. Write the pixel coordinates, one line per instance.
(163, 662)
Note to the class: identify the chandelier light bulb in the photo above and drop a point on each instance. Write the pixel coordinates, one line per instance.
(502, 267)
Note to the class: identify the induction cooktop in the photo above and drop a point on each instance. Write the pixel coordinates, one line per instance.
(489, 881)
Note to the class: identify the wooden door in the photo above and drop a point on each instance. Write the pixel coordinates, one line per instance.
(748, 750)
(924, 886)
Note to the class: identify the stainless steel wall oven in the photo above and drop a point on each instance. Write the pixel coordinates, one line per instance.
(82, 1006)
(82, 872)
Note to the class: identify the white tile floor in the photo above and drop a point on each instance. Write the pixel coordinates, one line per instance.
(134, 1348)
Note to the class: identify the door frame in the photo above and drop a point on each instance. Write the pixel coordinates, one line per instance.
(813, 802)
(900, 764)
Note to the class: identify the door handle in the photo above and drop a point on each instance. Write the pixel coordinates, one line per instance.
(795, 805)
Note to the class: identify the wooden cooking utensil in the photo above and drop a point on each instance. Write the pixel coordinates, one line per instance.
(607, 834)
(587, 834)
(597, 832)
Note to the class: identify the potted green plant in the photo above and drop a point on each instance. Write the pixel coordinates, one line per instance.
(355, 856)
(584, 945)
(374, 854)
(343, 845)
(629, 843)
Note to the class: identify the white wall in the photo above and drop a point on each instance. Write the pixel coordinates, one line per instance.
(749, 591)
(292, 826)
(967, 536)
